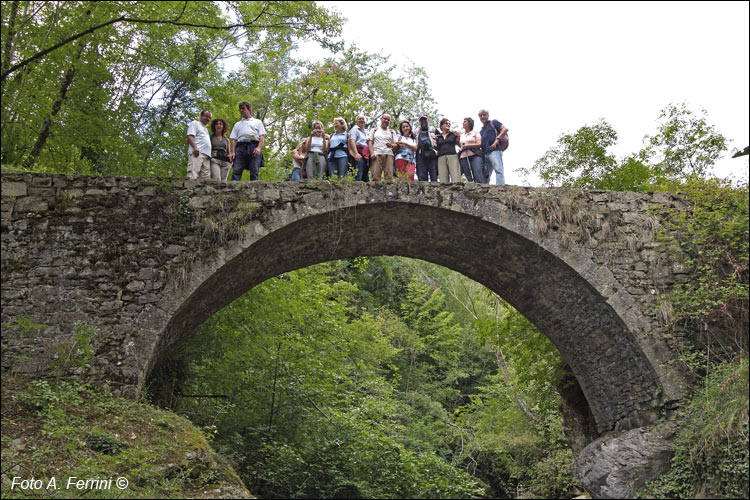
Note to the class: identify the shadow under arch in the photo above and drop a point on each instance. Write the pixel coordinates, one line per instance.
(616, 377)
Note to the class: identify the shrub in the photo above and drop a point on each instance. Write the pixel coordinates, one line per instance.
(711, 448)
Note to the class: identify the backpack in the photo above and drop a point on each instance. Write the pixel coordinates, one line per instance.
(503, 144)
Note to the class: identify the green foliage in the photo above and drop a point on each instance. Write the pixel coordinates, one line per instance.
(103, 442)
(55, 431)
(711, 447)
(633, 174)
(24, 326)
(685, 145)
(92, 88)
(77, 352)
(347, 450)
(580, 159)
(711, 240)
(79, 77)
(304, 371)
(552, 477)
(371, 377)
(42, 396)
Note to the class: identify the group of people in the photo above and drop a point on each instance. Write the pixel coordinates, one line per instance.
(212, 156)
(434, 155)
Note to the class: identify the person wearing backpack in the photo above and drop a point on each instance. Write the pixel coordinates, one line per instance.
(494, 142)
(382, 140)
(426, 157)
(341, 145)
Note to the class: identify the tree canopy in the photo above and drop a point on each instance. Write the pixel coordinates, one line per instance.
(109, 87)
(685, 145)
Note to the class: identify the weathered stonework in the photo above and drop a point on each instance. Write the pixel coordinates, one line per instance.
(618, 464)
(149, 260)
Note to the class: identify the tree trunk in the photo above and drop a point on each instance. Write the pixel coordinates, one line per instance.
(45, 131)
(501, 363)
(7, 56)
(162, 122)
(273, 390)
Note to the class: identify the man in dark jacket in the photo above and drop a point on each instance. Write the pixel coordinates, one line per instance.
(426, 158)
(492, 131)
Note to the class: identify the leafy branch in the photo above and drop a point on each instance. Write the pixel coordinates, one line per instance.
(173, 22)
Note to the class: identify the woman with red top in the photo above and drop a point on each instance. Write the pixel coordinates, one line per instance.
(406, 147)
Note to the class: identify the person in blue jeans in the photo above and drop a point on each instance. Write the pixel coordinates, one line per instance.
(298, 160)
(341, 145)
(491, 133)
(361, 162)
(426, 157)
(247, 138)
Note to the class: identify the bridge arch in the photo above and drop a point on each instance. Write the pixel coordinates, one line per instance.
(620, 383)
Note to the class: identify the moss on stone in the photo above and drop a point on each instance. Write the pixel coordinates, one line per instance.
(69, 430)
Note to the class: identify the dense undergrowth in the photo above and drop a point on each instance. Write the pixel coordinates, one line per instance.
(58, 435)
(711, 448)
(711, 310)
(373, 378)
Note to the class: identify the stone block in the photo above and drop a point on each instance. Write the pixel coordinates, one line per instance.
(174, 250)
(32, 204)
(618, 465)
(135, 286)
(14, 189)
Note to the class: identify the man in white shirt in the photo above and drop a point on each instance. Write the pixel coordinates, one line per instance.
(199, 147)
(381, 140)
(247, 138)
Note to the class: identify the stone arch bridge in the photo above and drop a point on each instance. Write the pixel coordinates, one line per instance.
(148, 260)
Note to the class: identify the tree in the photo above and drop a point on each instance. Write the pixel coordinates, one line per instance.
(296, 383)
(101, 92)
(634, 173)
(580, 159)
(685, 143)
(255, 17)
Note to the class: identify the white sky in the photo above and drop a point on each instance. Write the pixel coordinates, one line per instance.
(565, 65)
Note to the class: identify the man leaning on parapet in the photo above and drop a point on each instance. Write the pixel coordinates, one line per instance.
(247, 138)
(199, 147)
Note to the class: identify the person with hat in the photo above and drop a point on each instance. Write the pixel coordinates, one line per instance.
(426, 157)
